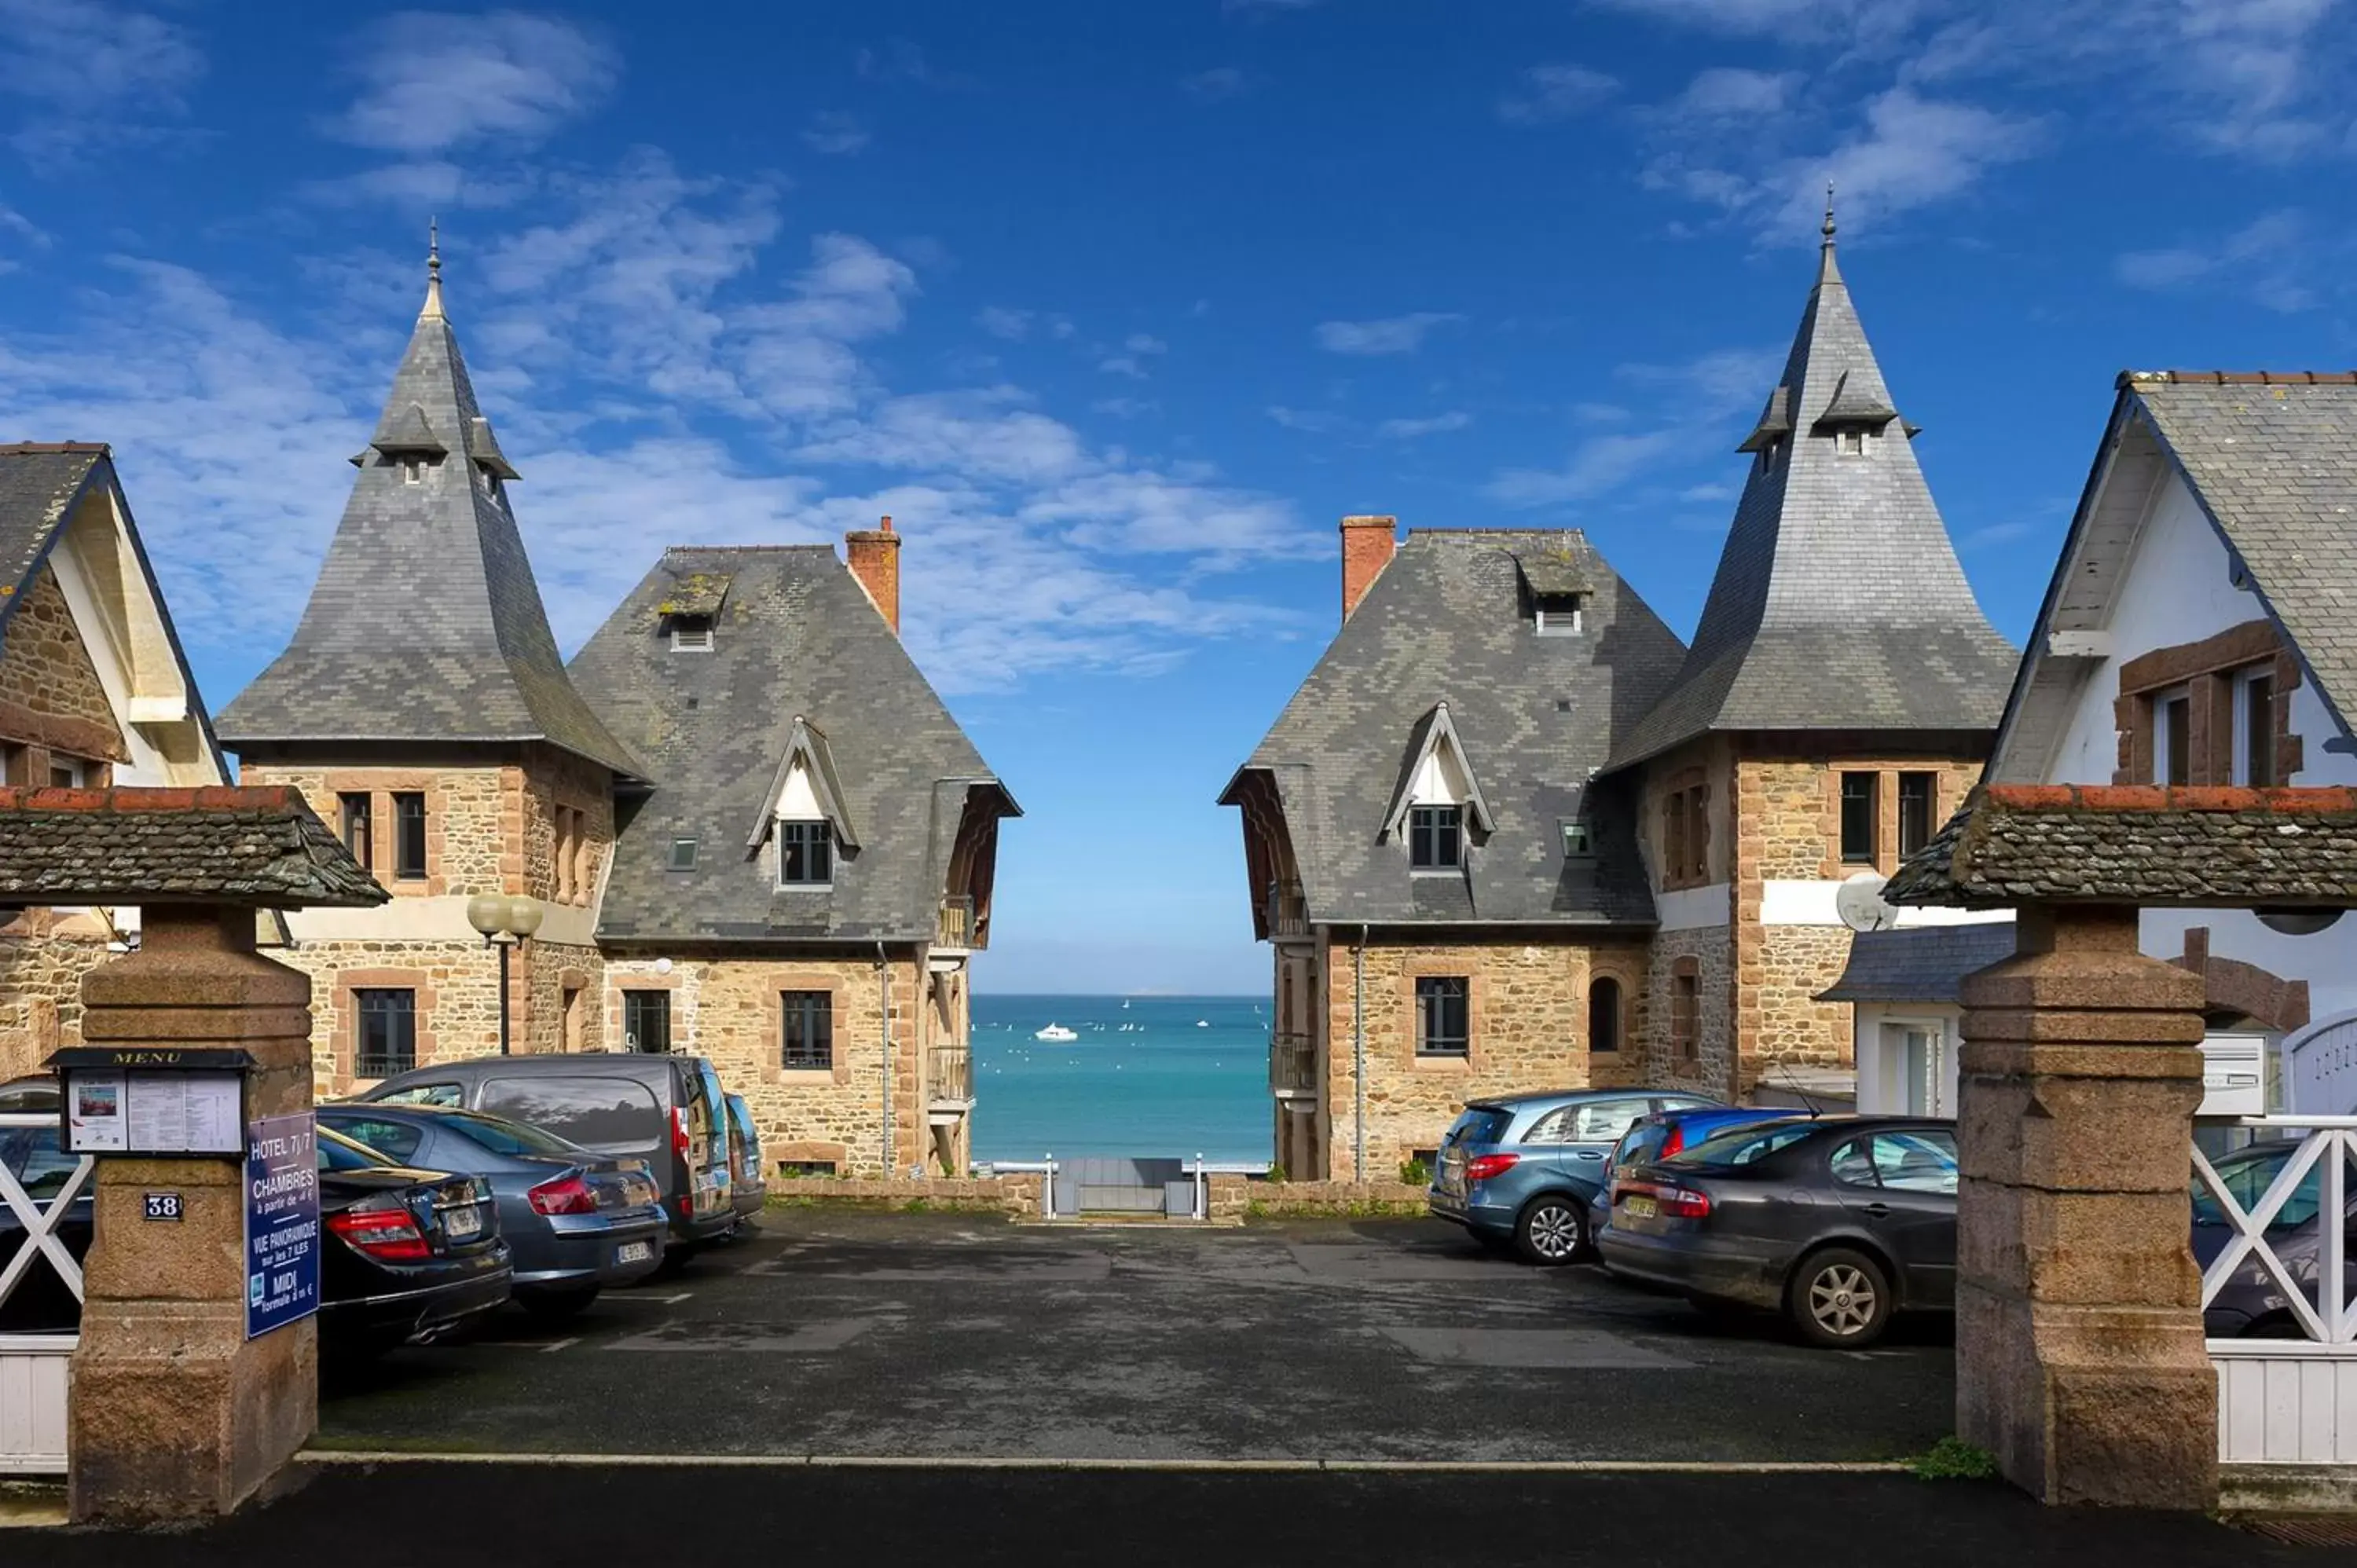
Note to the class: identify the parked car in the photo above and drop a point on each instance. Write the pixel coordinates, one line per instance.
(1520, 1171)
(666, 1109)
(1660, 1133)
(2252, 1304)
(748, 1189)
(576, 1222)
(405, 1252)
(1839, 1223)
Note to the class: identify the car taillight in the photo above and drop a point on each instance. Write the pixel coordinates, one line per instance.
(1672, 1144)
(1481, 1168)
(381, 1230)
(568, 1194)
(1685, 1202)
(679, 1139)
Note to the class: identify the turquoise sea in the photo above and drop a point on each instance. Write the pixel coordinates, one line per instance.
(1148, 1076)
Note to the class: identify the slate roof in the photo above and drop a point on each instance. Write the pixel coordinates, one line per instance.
(1449, 621)
(2273, 458)
(1838, 603)
(255, 846)
(2181, 847)
(796, 642)
(426, 624)
(39, 482)
(1919, 963)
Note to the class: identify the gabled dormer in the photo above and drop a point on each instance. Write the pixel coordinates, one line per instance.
(1438, 809)
(806, 818)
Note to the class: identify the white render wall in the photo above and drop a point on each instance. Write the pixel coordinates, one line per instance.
(2176, 591)
(1881, 1088)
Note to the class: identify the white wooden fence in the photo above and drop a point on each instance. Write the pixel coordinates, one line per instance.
(36, 1369)
(2290, 1401)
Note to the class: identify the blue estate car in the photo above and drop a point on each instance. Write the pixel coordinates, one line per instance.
(1521, 1171)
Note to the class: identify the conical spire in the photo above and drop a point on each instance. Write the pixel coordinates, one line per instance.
(1839, 603)
(426, 624)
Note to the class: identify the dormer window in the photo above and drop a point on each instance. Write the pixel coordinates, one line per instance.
(1850, 443)
(691, 634)
(412, 470)
(805, 854)
(1576, 843)
(1435, 838)
(1556, 614)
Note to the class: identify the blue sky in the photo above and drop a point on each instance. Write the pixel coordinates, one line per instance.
(1117, 307)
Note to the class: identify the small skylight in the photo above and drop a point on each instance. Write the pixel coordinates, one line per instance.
(1557, 615)
(683, 854)
(691, 634)
(1576, 843)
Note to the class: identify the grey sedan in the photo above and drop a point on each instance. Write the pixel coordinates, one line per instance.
(577, 1220)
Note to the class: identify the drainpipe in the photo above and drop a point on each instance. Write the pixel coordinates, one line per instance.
(884, 1001)
(1359, 1058)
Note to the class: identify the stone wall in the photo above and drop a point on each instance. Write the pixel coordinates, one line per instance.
(43, 956)
(559, 781)
(473, 816)
(1528, 1028)
(51, 696)
(1710, 1069)
(1785, 967)
(458, 1001)
(1016, 1197)
(544, 971)
(725, 1007)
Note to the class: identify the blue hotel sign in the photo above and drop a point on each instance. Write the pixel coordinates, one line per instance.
(282, 1223)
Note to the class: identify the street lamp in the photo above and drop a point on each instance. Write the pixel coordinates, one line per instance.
(504, 922)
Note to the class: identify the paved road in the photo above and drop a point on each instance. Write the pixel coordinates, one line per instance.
(947, 1335)
(502, 1516)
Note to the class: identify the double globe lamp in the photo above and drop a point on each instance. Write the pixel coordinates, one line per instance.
(504, 922)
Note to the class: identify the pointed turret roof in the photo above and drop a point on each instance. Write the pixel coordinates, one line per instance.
(1839, 604)
(426, 624)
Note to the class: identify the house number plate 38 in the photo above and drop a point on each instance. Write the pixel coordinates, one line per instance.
(161, 1205)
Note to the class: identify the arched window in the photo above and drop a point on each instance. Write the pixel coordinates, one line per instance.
(1604, 1015)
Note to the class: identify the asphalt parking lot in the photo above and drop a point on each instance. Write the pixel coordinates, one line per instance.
(960, 1335)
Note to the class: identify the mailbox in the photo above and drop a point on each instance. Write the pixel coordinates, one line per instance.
(152, 1102)
(2233, 1075)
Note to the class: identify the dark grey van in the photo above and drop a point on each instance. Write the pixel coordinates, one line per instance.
(667, 1109)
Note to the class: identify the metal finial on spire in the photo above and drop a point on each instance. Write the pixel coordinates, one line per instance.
(433, 268)
(1827, 230)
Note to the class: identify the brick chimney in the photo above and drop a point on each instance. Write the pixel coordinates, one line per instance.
(875, 556)
(1367, 546)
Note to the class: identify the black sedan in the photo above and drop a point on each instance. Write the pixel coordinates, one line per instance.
(1839, 1223)
(576, 1222)
(407, 1254)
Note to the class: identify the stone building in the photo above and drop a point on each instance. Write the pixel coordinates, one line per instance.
(94, 692)
(423, 711)
(1512, 835)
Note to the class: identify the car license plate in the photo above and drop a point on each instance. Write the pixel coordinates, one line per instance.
(458, 1224)
(1638, 1207)
(634, 1252)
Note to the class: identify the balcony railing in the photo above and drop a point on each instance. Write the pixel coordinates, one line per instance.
(1288, 911)
(957, 925)
(952, 1073)
(1292, 1063)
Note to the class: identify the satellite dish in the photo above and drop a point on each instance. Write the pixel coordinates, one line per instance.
(1859, 903)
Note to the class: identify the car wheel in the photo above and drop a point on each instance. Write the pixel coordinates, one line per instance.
(1552, 1230)
(555, 1305)
(1840, 1299)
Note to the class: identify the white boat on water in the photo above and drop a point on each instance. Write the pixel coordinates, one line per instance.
(1055, 1032)
(1203, 1023)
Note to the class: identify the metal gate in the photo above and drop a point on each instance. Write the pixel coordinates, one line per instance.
(35, 1368)
(1126, 1187)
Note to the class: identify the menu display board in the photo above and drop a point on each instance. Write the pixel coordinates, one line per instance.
(112, 1112)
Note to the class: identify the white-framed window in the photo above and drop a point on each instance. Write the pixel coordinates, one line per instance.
(68, 772)
(2254, 728)
(1557, 615)
(1850, 443)
(691, 634)
(2172, 736)
(412, 470)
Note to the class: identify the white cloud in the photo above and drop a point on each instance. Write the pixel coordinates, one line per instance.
(433, 80)
(1310, 421)
(1550, 93)
(898, 60)
(424, 185)
(1000, 322)
(1995, 533)
(1724, 380)
(1220, 82)
(87, 71)
(1391, 335)
(1145, 343)
(1599, 463)
(836, 133)
(2270, 259)
(1409, 429)
(1730, 92)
